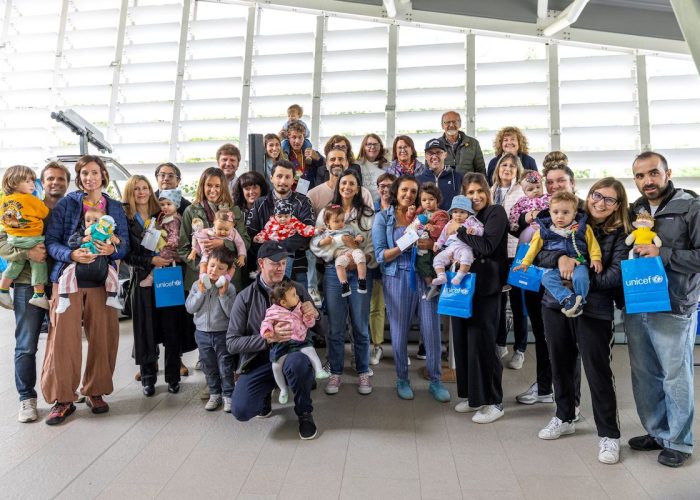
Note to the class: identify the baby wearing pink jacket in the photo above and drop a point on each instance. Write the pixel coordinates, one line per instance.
(286, 308)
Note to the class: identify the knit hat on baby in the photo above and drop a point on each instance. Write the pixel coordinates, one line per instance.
(283, 207)
(172, 195)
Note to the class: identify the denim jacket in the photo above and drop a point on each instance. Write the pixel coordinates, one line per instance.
(383, 239)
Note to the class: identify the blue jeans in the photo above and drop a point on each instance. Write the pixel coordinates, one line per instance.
(217, 363)
(28, 319)
(661, 359)
(551, 279)
(358, 306)
(254, 386)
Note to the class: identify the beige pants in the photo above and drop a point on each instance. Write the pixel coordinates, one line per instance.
(60, 376)
(377, 313)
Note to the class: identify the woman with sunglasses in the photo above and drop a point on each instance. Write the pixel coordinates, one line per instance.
(590, 334)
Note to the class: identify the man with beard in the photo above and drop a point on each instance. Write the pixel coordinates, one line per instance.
(336, 164)
(228, 157)
(661, 343)
(463, 152)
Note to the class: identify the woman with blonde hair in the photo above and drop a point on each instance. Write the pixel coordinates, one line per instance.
(511, 140)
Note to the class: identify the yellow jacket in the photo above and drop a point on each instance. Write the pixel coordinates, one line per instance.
(594, 252)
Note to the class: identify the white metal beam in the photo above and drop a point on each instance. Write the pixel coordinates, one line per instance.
(542, 9)
(245, 91)
(177, 105)
(6, 23)
(392, 65)
(470, 108)
(479, 25)
(643, 103)
(318, 72)
(554, 108)
(116, 73)
(53, 99)
(565, 18)
(688, 16)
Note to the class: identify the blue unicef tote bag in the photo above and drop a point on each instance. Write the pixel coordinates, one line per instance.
(527, 280)
(456, 300)
(645, 285)
(168, 285)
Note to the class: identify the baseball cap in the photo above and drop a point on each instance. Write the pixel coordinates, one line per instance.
(436, 143)
(273, 251)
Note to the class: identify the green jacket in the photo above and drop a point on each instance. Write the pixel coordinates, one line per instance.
(466, 157)
(192, 267)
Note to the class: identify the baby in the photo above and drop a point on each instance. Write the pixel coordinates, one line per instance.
(168, 222)
(428, 223)
(455, 249)
(533, 201)
(98, 227)
(286, 308)
(336, 228)
(294, 114)
(224, 229)
(563, 229)
(283, 224)
(23, 217)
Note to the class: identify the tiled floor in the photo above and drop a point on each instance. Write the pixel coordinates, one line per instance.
(372, 446)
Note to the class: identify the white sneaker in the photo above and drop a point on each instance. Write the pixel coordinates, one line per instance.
(283, 398)
(531, 396)
(41, 301)
(63, 304)
(577, 414)
(502, 351)
(375, 355)
(213, 403)
(556, 428)
(516, 362)
(316, 297)
(204, 278)
(488, 414)
(227, 404)
(27, 410)
(609, 451)
(113, 302)
(220, 282)
(463, 407)
(6, 301)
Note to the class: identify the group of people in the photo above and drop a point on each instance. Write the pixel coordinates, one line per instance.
(383, 233)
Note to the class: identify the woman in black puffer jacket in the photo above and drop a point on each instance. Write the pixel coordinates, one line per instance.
(591, 334)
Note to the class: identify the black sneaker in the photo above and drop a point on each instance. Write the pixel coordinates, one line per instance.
(421, 352)
(345, 289)
(361, 285)
(644, 443)
(668, 457)
(59, 413)
(267, 407)
(174, 387)
(307, 427)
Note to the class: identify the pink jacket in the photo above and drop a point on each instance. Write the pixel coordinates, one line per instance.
(171, 226)
(278, 314)
(208, 234)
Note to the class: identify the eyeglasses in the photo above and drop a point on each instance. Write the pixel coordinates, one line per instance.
(432, 153)
(371, 145)
(451, 122)
(166, 176)
(403, 148)
(383, 186)
(272, 263)
(341, 145)
(609, 201)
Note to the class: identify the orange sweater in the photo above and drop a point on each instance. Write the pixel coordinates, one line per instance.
(23, 214)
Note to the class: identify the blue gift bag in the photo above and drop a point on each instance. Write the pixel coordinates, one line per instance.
(3, 265)
(169, 287)
(456, 300)
(645, 285)
(527, 280)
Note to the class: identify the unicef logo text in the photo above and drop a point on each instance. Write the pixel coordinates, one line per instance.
(457, 291)
(169, 284)
(656, 279)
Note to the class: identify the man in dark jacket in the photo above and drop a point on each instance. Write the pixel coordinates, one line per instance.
(252, 395)
(661, 343)
(168, 177)
(282, 178)
(445, 178)
(463, 152)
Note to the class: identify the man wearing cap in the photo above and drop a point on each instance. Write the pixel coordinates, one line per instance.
(252, 395)
(463, 152)
(445, 178)
(282, 179)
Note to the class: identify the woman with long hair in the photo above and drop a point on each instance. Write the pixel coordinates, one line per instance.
(249, 187)
(372, 160)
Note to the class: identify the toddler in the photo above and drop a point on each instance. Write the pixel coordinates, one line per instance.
(283, 224)
(22, 219)
(286, 308)
(224, 229)
(294, 114)
(563, 229)
(428, 223)
(533, 201)
(98, 227)
(332, 239)
(168, 222)
(455, 249)
(211, 307)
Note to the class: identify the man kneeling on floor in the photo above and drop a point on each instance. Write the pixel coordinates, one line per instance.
(252, 396)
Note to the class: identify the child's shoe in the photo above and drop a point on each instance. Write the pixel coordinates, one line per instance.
(220, 282)
(39, 301)
(432, 292)
(227, 405)
(63, 304)
(322, 374)
(440, 280)
(284, 396)
(113, 301)
(570, 305)
(204, 278)
(345, 289)
(6, 300)
(147, 281)
(579, 309)
(213, 403)
(361, 285)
